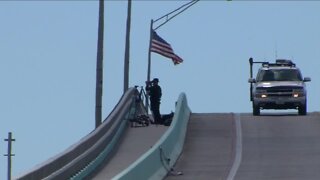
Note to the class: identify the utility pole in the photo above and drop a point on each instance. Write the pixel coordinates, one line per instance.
(99, 77)
(127, 50)
(9, 155)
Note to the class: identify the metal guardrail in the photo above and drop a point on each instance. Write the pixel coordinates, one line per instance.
(158, 161)
(82, 157)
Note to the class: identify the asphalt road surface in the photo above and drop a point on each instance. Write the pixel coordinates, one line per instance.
(136, 141)
(281, 146)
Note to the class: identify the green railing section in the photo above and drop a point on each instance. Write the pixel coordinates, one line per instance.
(85, 172)
(159, 160)
(81, 159)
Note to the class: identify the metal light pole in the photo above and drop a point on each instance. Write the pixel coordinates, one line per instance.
(127, 50)
(177, 12)
(149, 63)
(9, 155)
(99, 77)
(149, 52)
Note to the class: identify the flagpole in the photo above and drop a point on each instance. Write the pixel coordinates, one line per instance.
(149, 61)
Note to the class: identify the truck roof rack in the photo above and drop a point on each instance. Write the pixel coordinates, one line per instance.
(279, 62)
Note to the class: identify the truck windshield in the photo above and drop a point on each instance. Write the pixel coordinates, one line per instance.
(279, 75)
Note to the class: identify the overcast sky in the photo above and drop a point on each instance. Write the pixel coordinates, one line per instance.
(48, 62)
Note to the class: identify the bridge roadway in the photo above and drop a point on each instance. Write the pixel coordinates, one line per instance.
(136, 141)
(272, 146)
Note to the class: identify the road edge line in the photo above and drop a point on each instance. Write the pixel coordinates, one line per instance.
(238, 156)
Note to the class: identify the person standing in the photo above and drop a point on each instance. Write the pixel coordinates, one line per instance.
(154, 91)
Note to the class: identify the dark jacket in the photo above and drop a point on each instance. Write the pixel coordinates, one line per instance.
(155, 93)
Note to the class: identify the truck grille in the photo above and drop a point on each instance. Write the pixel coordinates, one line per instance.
(281, 91)
(279, 94)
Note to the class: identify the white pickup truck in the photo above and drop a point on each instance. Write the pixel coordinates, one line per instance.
(278, 85)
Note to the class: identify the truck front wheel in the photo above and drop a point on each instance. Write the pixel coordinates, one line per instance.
(303, 110)
(256, 110)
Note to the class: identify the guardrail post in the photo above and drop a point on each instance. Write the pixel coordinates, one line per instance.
(9, 155)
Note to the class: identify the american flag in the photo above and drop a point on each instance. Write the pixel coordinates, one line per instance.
(160, 46)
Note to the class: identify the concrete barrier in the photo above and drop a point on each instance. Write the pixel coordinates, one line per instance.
(159, 160)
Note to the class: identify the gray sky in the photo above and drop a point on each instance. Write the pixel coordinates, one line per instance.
(48, 62)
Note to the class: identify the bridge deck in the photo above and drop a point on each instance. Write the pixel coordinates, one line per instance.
(273, 146)
(207, 152)
(136, 141)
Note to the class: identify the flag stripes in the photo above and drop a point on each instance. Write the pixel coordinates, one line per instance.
(162, 47)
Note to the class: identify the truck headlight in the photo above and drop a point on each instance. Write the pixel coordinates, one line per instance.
(261, 94)
(297, 93)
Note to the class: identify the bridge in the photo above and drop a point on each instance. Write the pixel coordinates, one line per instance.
(195, 146)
